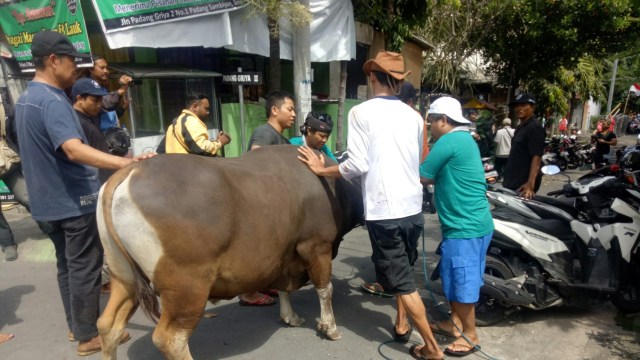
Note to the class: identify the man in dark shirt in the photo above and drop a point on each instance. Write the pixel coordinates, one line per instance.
(281, 114)
(60, 171)
(87, 96)
(523, 167)
(603, 139)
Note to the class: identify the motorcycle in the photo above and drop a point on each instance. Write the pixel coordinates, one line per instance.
(490, 174)
(585, 153)
(543, 255)
(553, 154)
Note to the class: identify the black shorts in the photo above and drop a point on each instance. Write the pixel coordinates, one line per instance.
(395, 249)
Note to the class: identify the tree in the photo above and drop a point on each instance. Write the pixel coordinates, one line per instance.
(535, 37)
(275, 10)
(559, 92)
(456, 30)
(397, 19)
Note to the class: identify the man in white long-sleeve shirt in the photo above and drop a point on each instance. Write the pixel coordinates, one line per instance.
(385, 143)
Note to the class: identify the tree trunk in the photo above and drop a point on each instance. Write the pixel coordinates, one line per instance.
(275, 72)
(342, 96)
(571, 103)
(302, 71)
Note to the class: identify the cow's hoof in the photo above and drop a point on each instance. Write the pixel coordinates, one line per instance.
(331, 332)
(294, 321)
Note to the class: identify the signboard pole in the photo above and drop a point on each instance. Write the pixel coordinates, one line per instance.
(242, 78)
(241, 95)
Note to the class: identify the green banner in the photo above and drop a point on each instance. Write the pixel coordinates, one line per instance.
(21, 20)
(125, 14)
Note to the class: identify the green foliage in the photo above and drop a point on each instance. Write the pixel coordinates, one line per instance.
(564, 86)
(536, 36)
(293, 11)
(455, 29)
(395, 18)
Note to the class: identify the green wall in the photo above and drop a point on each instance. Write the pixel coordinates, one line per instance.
(255, 116)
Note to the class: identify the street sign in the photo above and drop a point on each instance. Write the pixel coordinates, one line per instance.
(243, 78)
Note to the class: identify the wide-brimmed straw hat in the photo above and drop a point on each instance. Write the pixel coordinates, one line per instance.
(389, 63)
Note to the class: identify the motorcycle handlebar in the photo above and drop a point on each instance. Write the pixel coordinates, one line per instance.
(555, 193)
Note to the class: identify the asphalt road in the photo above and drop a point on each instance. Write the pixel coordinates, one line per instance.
(30, 308)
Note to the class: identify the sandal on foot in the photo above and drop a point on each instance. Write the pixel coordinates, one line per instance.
(404, 338)
(95, 345)
(374, 289)
(265, 300)
(455, 353)
(436, 328)
(270, 292)
(412, 352)
(6, 337)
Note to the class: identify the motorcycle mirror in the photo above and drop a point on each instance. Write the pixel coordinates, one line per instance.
(550, 170)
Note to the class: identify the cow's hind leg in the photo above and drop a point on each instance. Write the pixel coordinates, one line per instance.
(286, 310)
(121, 306)
(327, 324)
(181, 312)
(320, 274)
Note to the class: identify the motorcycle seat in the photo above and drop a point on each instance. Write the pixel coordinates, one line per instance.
(557, 228)
(567, 205)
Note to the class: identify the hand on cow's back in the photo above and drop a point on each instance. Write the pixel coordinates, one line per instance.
(315, 160)
(145, 156)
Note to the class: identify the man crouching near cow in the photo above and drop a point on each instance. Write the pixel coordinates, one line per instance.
(386, 154)
(60, 170)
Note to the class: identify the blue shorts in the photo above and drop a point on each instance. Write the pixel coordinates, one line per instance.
(462, 267)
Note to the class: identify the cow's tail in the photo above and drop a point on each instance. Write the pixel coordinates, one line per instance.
(144, 293)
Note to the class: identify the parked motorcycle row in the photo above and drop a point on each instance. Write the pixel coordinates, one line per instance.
(566, 153)
(583, 241)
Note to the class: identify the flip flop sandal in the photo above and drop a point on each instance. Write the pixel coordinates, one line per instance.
(270, 292)
(266, 300)
(412, 352)
(463, 353)
(404, 338)
(435, 328)
(374, 289)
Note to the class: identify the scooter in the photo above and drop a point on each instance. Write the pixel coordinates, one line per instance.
(542, 256)
(490, 174)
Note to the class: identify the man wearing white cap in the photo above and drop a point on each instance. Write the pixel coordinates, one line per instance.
(385, 142)
(454, 166)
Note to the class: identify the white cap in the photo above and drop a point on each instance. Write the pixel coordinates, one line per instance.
(448, 106)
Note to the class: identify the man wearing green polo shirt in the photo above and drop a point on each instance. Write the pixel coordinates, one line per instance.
(454, 166)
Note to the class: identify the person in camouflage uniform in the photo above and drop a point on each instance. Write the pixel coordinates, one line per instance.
(484, 133)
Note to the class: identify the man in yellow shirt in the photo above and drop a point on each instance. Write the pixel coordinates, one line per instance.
(188, 133)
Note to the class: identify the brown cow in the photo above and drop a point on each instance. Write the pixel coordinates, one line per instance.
(200, 229)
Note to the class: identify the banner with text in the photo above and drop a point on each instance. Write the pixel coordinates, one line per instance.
(125, 14)
(21, 20)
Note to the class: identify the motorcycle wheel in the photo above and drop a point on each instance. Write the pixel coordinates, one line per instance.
(562, 164)
(488, 310)
(627, 298)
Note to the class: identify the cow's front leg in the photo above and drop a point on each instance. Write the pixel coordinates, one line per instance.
(327, 324)
(286, 310)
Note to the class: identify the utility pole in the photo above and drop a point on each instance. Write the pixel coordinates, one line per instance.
(302, 76)
(612, 86)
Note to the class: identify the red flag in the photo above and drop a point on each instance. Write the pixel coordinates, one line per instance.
(635, 89)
